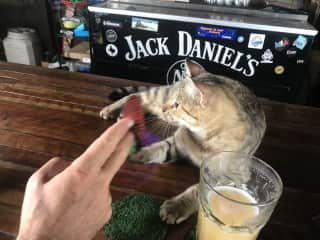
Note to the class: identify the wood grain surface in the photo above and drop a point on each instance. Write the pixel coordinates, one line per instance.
(46, 113)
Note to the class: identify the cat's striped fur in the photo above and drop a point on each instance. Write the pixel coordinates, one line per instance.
(213, 114)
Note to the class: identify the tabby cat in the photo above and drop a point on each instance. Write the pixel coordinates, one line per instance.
(213, 113)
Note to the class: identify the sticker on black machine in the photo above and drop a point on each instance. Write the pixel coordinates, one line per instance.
(256, 40)
(111, 35)
(281, 44)
(112, 50)
(291, 52)
(267, 56)
(216, 32)
(144, 24)
(112, 23)
(300, 42)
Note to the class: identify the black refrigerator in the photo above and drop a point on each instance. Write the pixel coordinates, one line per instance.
(266, 49)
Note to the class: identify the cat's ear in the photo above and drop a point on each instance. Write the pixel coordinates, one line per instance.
(193, 69)
(192, 90)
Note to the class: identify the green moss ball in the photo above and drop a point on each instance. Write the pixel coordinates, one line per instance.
(136, 217)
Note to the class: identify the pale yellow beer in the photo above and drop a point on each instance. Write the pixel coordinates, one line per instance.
(237, 195)
(233, 210)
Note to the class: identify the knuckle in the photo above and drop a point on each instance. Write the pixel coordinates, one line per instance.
(33, 181)
(130, 136)
(74, 195)
(109, 201)
(121, 150)
(80, 173)
(55, 159)
(108, 214)
(106, 140)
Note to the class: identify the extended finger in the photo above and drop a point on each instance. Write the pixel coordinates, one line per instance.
(101, 149)
(118, 157)
(50, 169)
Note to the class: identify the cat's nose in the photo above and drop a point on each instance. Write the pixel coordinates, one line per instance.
(165, 108)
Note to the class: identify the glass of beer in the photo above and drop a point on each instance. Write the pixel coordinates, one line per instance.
(237, 195)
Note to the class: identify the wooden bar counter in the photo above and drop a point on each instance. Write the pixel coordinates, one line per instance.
(46, 113)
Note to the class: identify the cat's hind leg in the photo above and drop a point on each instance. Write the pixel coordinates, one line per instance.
(180, 207)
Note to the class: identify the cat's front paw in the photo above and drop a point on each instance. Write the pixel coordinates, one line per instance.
(144, 156)
(151, 154)
(140, 157)
(109, 113)
(177, 209)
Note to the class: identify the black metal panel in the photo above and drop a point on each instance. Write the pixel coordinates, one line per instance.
(112, 35)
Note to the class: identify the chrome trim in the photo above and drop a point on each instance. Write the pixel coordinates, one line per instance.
(214, 8)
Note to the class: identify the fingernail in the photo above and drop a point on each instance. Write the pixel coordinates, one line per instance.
(130, 123)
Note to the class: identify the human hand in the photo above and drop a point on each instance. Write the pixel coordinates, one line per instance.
(65, 200)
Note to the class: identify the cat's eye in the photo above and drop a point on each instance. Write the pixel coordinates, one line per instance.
(176, 105)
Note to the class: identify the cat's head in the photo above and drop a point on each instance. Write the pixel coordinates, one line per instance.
(191, 104)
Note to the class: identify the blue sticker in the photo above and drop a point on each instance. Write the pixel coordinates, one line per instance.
(216, 32)
(300, 42)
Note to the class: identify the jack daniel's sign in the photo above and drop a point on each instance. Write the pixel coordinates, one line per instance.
(267, 58)
(191, 47)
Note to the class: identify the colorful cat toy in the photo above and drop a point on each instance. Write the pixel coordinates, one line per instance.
(133, 110)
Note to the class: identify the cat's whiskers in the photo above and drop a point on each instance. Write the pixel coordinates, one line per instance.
(150, 122)
(151, 119)
(151, 116)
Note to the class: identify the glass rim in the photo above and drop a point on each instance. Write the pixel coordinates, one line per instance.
(260, 161)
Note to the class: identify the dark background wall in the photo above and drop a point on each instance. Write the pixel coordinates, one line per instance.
(29, 13)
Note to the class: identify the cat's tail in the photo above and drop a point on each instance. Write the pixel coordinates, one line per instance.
(118, 93)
